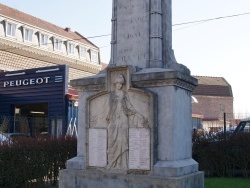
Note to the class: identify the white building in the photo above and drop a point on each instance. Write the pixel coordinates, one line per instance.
(29, 42)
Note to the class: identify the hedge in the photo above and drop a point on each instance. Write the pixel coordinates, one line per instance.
(220, 156)
(26, 162)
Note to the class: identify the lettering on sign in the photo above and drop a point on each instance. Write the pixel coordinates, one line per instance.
(31, 81)
(139, 149)
(26, 82)
(97, 147)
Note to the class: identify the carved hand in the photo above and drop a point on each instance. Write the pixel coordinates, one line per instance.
(108, 118)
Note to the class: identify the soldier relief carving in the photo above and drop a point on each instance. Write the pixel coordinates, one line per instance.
(126, 122)
(118, 125)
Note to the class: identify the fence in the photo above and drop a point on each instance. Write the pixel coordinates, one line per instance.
(224, 122)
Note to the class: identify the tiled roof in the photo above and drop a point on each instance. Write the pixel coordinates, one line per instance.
(104, 65)
(39, 23)
(213, 86)
(208, 80)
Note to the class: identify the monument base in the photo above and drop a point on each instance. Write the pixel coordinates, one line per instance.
(175, 168)
(88, 179)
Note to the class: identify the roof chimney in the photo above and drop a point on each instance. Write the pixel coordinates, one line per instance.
(67, 29)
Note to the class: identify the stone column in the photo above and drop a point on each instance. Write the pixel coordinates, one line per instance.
(156, 34)
(114, 33)
(169, 60)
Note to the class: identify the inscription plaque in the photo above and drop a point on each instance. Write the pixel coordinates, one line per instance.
(139, 149)
(97, 147)
(132, 33)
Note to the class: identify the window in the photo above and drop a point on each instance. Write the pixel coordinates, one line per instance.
(94, 56)
(247, 127)
(244, 126)
(57, 44)
(222, 107)
(43, 39)
(71, 48)
(83, 52)
(10, 29)
(28, 33)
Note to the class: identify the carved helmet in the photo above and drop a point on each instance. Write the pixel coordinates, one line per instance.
(119, 79)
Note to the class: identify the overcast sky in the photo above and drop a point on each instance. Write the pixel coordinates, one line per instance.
(219, 47)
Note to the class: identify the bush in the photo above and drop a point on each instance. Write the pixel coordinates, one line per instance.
(27, 160)
(220, 156)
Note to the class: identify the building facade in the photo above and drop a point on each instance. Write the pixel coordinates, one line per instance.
(28, 42)
(35, 101)
(215, 98)
(37, 61)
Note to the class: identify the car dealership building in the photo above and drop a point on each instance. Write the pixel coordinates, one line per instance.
(38, 60)
(38, 101)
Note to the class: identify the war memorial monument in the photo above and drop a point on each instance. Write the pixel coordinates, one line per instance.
(135, 125)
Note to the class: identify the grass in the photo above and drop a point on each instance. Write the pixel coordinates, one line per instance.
(227, 183)
(217, 183)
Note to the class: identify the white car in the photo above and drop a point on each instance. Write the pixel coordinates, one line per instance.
(3, 137)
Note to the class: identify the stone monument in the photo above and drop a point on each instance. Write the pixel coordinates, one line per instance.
(135, 125)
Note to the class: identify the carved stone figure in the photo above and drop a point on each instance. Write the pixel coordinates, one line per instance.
(121, 115)
(118, 126)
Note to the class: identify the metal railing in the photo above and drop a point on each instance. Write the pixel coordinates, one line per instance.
(224, 122)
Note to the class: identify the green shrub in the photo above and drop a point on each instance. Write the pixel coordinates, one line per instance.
(220, 157)
(27, 160)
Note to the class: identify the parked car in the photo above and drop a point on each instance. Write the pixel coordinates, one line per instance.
(11, 137)
(229, 131)
(243, 126)
(18, 135)
(3, 137)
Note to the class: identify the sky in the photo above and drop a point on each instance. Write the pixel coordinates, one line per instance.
(219, 48)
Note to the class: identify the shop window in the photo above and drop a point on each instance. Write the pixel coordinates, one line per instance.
(94, 56)
(10, 29)
(28, 34)
(82, 52)
(43, 40)
(57, 44)
(30, 119)
(71, 48)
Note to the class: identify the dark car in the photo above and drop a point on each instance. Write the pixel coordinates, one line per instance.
(15, 137)
(18, 135)
(243, 126)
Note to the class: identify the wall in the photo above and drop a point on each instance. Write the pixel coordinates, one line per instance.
(212, 107)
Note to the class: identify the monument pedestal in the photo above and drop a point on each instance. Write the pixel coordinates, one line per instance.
(89, 179)
(170, 148)
(76, 163)
(175, 168)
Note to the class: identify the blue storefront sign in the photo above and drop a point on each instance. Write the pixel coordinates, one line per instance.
(34, 100)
